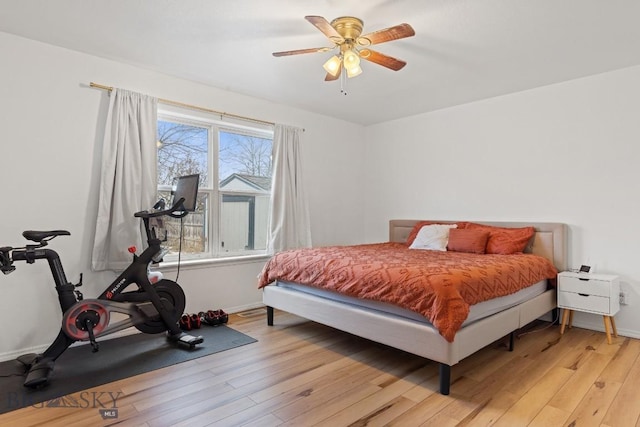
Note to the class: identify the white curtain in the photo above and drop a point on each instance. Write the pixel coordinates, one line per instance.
(289, 225)
(128, 182)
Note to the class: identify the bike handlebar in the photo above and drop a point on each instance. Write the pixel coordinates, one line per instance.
(175, 211)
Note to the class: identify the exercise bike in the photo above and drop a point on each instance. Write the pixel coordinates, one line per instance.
(151, 308)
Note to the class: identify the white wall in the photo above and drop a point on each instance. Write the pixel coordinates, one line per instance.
(567, 153)
(51, 129)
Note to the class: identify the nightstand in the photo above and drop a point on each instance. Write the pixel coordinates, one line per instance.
(590, 293)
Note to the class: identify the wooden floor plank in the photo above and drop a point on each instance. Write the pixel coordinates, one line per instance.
(594, 405)
(622, 362)
(550, 416)
(335, 404)
(574, 390)
(424, 411)
(486, 413)
(531, 403)
(376, 401)
(624, 409)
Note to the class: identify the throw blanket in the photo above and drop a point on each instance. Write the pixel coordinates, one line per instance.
(439, 285)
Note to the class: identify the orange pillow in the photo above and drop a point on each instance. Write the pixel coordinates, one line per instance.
(503, 240)
(468, 240)
(416, 228)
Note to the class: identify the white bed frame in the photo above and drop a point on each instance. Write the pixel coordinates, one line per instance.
(419, 338)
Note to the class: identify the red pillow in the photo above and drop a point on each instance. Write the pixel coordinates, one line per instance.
(503, 240)
(416, 228)
(468, 240)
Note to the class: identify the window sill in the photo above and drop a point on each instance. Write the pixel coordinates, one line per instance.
(213, 262)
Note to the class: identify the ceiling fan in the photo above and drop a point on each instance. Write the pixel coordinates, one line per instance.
(344, 33)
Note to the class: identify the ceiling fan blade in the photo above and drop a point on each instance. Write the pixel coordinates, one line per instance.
(330, 77)
(300, 51)
(382, 59)
(323, 25)
(393, 33)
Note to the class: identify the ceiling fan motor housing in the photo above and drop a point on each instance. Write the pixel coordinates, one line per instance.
(348, 27)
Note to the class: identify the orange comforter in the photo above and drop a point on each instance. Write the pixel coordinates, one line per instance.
(439, 285)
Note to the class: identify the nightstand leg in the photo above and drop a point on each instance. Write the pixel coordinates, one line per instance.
(570, 319)
(565, 316)
(613, 326)
(606, 328)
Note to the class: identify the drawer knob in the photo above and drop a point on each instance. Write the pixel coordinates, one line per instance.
(583, 279)
(583, 295)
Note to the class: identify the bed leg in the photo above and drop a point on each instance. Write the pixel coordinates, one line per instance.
(512, 336)
(269, 316)
(445, 378)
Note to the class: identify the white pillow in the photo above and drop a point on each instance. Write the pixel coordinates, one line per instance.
(433, 237)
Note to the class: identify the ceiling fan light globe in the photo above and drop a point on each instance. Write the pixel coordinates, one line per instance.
(351, 59)
(332, 66)
(354, 71)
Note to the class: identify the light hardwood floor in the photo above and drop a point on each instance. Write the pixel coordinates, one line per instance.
(301, 374)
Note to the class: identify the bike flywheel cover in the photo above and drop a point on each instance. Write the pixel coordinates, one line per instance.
(93, 309)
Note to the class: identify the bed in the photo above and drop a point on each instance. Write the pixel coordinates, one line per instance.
(399, 328)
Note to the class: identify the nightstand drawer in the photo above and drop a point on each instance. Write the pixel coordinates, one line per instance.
(586, 285)
(584, 302)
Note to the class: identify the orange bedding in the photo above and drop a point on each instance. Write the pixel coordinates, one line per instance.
(439, 285)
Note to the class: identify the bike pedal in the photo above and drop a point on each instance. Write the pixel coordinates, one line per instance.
(187, 340)
(198, 340)
(160, 255)
(194, 343)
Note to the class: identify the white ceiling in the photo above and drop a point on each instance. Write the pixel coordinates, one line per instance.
(463, 50)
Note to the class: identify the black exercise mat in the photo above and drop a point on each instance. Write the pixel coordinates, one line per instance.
(79, 369)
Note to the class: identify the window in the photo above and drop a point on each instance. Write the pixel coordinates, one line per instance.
(234, 163)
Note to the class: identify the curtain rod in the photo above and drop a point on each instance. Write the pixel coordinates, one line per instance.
(195, 107)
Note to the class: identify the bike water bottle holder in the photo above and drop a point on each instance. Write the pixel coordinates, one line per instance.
(78, 293)
(157, 258)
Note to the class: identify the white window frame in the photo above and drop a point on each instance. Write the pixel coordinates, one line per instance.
(215, 125)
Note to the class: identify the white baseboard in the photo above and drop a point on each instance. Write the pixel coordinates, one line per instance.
(600, 328)
(245, 307)
(10, 355)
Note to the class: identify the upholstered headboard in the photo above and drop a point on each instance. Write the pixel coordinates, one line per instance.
(549, 241)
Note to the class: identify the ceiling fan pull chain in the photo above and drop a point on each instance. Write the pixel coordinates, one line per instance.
(343, 83)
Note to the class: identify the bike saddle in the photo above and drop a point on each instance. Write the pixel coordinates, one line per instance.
(39, 236)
